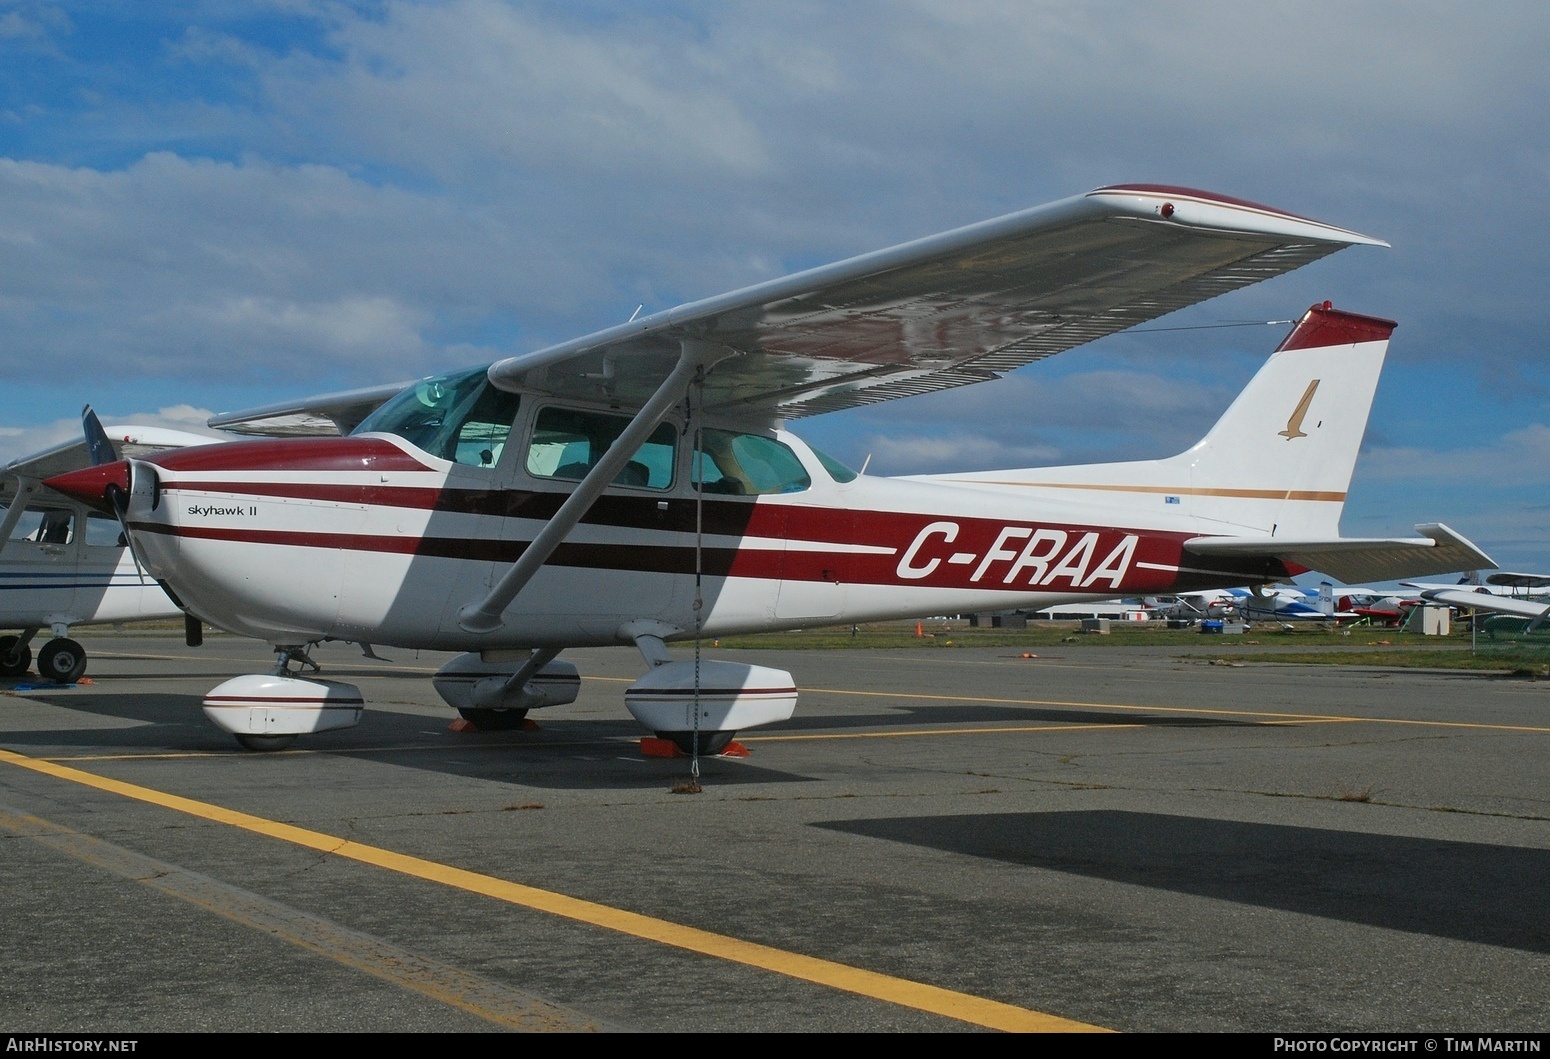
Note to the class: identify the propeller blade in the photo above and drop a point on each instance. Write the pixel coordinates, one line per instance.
(101, 452)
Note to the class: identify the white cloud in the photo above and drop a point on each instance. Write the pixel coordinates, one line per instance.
(463, 89)
(1520, 458)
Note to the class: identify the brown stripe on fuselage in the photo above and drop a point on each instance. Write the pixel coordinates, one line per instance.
(1245, 494)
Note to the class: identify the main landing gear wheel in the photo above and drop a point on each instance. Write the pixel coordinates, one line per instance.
(710, 742)
(266, 742)
(493, 720)
(62, 661)
(15, 657)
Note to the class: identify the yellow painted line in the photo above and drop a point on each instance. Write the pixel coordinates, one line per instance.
(978, 1011)
(487, 999)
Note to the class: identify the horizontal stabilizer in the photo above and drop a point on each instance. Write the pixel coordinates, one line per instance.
(1355, 559)
(324, 415)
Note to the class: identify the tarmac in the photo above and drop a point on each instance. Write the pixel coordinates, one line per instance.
(943, 840)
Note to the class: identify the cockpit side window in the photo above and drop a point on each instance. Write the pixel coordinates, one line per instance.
(458, 417)
(567, 443)
(45, 526)
(748, 465)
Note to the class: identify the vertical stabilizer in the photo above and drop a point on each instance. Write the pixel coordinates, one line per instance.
(1280, 458)
(1277, 463)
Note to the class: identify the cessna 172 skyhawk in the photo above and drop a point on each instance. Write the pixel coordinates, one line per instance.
(636, 485)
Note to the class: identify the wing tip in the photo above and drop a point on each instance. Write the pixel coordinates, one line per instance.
(1196, 207)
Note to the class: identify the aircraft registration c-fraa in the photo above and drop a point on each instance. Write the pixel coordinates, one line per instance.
(637, 485)
(63, 564)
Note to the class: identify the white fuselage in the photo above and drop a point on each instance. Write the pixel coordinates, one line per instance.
(80, 578)
(370, 539)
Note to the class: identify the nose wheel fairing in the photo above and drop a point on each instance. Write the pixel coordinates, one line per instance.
(266, 712)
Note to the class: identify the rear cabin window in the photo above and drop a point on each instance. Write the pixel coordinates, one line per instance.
(748, 465)
(459, 417)
(103, 531)
(568, 443)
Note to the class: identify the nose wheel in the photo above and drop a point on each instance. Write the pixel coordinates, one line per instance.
(711, 743)
(62, 660)
(265, 742)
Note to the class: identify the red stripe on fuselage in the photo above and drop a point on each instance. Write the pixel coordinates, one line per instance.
(923, 550)
(292, 454)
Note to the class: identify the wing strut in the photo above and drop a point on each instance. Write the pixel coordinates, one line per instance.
(694, 355)
(25, 489)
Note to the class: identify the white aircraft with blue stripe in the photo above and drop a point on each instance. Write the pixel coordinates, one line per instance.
(63, 564)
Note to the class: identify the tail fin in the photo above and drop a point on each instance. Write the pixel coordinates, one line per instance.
(1279, 460)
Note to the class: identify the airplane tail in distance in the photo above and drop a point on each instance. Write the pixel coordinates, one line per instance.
(1279, 460)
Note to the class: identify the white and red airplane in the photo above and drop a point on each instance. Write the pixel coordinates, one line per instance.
(637, 485)
(63, 564)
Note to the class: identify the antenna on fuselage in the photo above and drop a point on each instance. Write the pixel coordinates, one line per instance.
(636, 313)
(864, 463)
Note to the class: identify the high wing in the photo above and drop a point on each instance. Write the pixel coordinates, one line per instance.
(1513, 580)
(1463, 597)
(1353, 559)
(944, 311)
(324, 415)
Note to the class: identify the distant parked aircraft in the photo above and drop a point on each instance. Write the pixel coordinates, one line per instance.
(63, 564)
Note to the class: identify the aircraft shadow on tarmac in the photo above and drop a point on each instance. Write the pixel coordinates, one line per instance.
(1466, 891)
(905, 715)
(561, 754)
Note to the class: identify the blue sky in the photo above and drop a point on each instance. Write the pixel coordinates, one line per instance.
(210, 206)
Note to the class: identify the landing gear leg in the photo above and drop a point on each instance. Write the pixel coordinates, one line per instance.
(285, 655)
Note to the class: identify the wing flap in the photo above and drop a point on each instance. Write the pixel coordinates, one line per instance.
(949, 310)
(1354, 560)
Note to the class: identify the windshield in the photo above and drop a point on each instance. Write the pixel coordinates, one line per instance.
(459, 417)
(837, 470)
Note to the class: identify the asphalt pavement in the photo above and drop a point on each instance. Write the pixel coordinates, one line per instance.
(940, 840)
